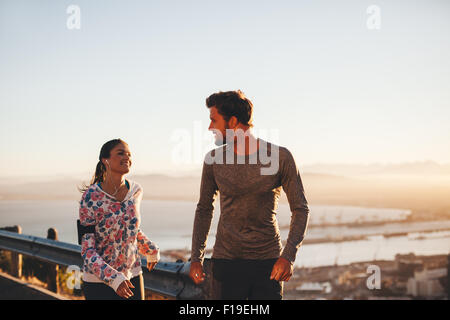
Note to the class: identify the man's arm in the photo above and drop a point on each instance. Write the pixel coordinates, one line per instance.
(203, 213)
(202, 222)
(292, 185)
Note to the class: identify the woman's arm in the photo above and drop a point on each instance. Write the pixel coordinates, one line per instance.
(147, 248)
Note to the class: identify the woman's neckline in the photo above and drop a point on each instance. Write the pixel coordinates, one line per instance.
(127, 183)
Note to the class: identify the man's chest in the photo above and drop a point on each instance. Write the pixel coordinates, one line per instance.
(244, 179)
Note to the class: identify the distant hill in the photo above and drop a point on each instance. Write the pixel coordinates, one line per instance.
(156, 186)
(423, 187)
(422, 195)
(412, 169)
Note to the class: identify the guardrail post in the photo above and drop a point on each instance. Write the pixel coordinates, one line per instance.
(52, 269)
(16, 258)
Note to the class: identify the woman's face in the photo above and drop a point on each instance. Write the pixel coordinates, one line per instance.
(119, 160)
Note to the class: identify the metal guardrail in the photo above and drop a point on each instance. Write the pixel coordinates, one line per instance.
(169, 279)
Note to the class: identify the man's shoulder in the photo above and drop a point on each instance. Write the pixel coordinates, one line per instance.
(269, 148)
(283, 152)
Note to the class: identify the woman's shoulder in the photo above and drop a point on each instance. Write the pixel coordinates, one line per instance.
(87, 192)
(135, 186)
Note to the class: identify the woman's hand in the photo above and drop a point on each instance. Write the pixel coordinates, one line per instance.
(151, 265)
(124, 289)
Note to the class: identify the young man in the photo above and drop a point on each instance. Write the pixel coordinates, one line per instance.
(248, 259)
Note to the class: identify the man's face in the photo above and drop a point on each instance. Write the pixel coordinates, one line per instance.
(218, 126)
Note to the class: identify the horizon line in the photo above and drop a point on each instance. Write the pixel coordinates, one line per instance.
(189, 171)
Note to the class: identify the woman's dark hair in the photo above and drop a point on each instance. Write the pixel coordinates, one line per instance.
(100, 169)
(232, 103)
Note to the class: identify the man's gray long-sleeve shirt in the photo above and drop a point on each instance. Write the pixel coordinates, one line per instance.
(248, 228)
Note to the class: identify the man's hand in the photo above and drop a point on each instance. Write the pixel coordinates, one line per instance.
(282, 270)
(196, 272)
(124, 289)
(151, 265)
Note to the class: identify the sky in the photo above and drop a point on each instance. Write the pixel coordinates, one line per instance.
(324, 81)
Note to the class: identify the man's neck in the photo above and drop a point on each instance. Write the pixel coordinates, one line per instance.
(250, 145)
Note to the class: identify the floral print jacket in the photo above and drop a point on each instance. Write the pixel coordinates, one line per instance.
(112, 254)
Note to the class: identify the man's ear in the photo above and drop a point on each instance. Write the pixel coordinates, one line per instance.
(233, 122)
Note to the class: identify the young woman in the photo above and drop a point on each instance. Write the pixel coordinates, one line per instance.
(112, 241)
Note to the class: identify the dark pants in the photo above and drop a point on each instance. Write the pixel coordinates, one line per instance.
(246, 279)
(101, 291)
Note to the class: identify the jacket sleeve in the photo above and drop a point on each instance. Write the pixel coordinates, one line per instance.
(147, 247)
(293, 186)
(203, 213)
(92, 261)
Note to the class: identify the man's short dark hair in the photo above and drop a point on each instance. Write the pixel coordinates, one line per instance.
(232, 103)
